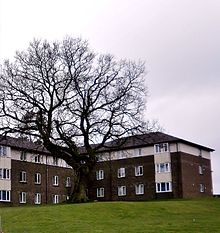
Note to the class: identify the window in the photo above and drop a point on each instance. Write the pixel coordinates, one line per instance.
(138, 152)
(200, 170)
(37, 198)
(5, 173)
(100, 175)
(121, 190)
(5, 195)
(23, 156)
(55, 199)
(37, 158)
(163, 187)
(139, 189)
(201, 188)
(139, 171)
(37, 178)
(68, 182)
(121, 154)
(163, 167)
(3, 151)
(121, 172)
(23, 176)
(100, 192)
(160, 148)
(23, 197)
(55, 180)
(55, 161)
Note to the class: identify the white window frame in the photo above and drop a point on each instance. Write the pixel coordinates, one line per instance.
(139, 170)
(37, 178)
(163, 167)
(161, 148)
(23, 176)
(68, 182)
(38, 158)
(121, 172)
(139, 189)
(5, 174)
(23, 197)
(23, 156)
(201, 170)
(55, 161)
(56, 199)
(163, 187)
(121, 191)
(5, 195)
(100, 192)
(100, 175)
(3, 151)
(37, 198)
(201, 188)
(55, 180)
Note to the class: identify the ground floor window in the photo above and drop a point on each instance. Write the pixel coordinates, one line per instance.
(163, 187)
(55, 199)
(139, 189)
(23, 197)
(201, 188)
(37, 198)
(121, 190)
(5, 195)
(100, 192)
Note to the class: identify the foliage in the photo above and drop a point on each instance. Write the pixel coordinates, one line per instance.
(68, 97)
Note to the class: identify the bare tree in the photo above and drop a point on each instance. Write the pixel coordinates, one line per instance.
(71, 98)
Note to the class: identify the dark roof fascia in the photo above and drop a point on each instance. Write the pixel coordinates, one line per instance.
(25, 145)
(170, 140)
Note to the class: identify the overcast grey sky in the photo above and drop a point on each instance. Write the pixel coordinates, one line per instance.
(178, 39)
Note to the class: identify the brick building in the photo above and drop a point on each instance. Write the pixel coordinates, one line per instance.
(149, 166)
(30, 175)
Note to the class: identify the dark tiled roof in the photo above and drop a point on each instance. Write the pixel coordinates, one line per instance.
(151, 139)
(124, 143)
(22, 144)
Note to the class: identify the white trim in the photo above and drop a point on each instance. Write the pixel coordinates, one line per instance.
(121, 172)
(121, 191)
(100, 192)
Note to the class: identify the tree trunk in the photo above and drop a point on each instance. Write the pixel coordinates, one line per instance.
(79, 193)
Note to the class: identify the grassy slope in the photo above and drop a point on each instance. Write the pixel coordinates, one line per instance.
(116, 217)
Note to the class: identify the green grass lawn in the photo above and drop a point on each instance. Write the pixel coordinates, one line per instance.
(195, 216)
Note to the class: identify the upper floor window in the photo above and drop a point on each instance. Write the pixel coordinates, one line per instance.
(163, 167)
(121, 190)
(100, 192)
(139, 171)
(5, 195)
(68, 182)
(5, 173)
(3, 151)
(37, 178)
(200, 170)
(55, 161)
(121, 154)
(37, 158)
(23, 156)
(23, 176)
(161, 147)
(138, 152)
(163, 187)
(55, 180)
(121, 172)
(23, 197)
(99, 175)
(139, 189)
